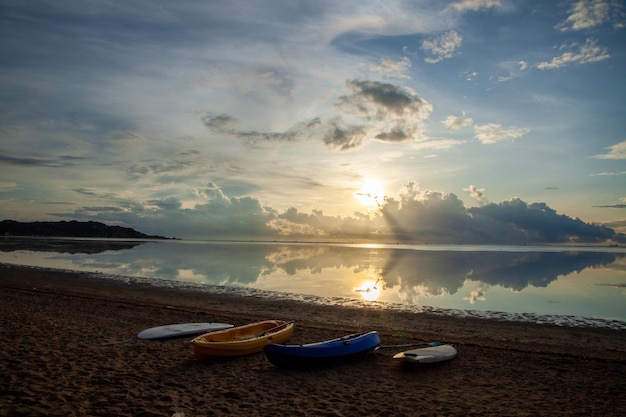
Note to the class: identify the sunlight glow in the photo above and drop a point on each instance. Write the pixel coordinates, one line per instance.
(371, 194)
(370, 290)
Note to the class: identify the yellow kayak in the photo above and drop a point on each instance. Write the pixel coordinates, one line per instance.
(242, 340)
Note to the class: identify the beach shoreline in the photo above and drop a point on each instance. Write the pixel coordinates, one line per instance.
(71, 349)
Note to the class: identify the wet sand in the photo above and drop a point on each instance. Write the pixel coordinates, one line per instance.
(69, 348)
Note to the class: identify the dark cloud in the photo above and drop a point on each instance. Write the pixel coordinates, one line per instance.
(426, 216)
(382, 98)
(423, 216)
(374, 110)
(226, 124)
(85, 191)
(613, 206)
(59, 161)
(171, 203)
(343, 137)
(537, 222)
(431, 216)
(390, 112)
(159, 167)
(395, 135)
(219, 121)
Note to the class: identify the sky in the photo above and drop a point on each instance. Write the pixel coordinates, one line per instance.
(470, 121)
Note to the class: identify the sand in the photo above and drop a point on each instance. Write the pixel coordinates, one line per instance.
(69, 348)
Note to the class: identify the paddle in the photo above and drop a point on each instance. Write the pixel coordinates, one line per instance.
(275, 328)
(437, 343)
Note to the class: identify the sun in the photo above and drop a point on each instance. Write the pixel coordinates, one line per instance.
(371, 193)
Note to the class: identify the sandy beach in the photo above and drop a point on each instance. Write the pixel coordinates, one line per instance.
(69, 348)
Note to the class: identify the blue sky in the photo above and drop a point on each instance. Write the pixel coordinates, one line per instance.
(479, 121)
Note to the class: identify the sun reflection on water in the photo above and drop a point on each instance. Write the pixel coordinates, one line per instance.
(370, 290)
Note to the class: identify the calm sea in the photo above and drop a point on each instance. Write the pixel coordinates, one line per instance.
(581, 286)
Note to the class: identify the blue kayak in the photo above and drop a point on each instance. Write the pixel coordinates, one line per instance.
(289, 356)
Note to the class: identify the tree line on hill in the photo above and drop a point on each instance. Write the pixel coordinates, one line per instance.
(71, 229)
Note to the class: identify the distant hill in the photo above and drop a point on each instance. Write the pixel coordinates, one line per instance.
(70, 229)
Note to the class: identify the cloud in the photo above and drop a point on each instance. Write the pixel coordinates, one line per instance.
(58, 161)
(538, 222)
(393, 69)
(617, 151)
(613, 206)
(442, 47)
(226, 124)
(382, 101)
(432, 216)
(382, 111)
(218, 216)
(457, 122)
(171, 203)
(586, 14)
(374, 110)
(493, 133)
(415, 215)
(469, 75)
(474, 5)
(477, 194)
(476, 295)
(587, 53)
(437, 144)
(341, 136)
(608, 174)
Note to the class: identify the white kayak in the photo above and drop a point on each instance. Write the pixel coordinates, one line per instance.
(181, 329)
(428, 354)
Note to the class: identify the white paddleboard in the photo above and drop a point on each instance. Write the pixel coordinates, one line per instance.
(428, 354)
(181, 329)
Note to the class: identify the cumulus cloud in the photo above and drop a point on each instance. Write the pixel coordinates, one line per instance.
(442, 47)
(538, 222)
(617, 151)
(477, 295)
(430, 215)
(423, 213)
(389, 68)
(493, 133)
(415, 215)
(457, 122)
(585, 54)
(473, 5)
(477, 194)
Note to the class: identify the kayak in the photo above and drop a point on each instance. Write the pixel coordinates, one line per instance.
(428, 354)
(181, 329)
(321, 352)
(242, 340)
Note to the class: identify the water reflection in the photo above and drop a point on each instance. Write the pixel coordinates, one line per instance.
(61, 245)
(448, 277)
